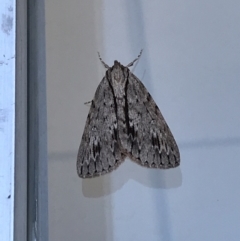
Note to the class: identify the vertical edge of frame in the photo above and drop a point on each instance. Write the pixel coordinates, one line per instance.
(20, 199)
(7, 117)
(37, 123)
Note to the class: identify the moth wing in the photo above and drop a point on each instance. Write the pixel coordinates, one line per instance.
(150, 142)
(100, 151)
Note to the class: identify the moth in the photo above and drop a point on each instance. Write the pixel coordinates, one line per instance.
(124, 121)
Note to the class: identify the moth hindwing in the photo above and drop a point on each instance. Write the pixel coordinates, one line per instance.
(124, 121)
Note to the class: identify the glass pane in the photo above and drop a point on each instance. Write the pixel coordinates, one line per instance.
(190, 65)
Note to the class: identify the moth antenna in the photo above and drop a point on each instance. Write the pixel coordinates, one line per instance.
(104, 64)
(131, 64)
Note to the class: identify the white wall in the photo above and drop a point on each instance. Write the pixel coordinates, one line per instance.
(190, 65)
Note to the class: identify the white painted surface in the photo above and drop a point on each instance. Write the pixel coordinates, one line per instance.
(190, 65)
(7, 115)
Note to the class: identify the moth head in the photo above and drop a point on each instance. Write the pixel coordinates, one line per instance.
(118, 73)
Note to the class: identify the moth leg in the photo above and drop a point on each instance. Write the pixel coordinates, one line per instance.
(104, 64)
(131, 64)
(88, 102)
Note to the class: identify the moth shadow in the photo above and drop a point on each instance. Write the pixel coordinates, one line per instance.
(130, 171)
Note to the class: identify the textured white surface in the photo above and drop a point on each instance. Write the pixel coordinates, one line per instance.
(190, 65)
(7, 116)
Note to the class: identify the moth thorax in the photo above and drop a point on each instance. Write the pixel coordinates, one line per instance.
(118, 76)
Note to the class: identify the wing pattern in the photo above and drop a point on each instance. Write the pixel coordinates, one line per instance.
(100, 151)
(149, 140)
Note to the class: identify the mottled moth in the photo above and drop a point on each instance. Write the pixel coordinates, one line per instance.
(124, 121)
